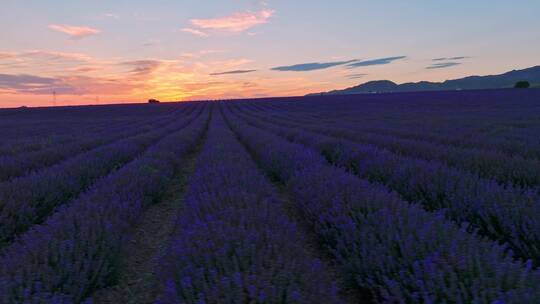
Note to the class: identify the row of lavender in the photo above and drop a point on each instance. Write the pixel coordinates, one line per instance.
(396, 250)
(16, 165)
(36, 129)
(77, 249)
(507, 214)
(53, 136)
(29, 199)
(512, 140)
(489, 120)
(448, 114)
(513, 169)
(66, 117)
(234, 242)
(415, 112)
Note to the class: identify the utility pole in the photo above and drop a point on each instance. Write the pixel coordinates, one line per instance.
(54, 98)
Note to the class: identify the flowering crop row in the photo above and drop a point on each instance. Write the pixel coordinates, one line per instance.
(233, 242)
(77, 249)
(29, 199)
(397, 250)
(16, 165)
(507, 214)
(36, 129)
(504, 168)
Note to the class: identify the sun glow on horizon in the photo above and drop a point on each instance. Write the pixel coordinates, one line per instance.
(93, 52)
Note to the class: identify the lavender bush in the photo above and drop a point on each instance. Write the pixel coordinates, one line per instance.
(37, 129)
(58, 150)
(77, 249)
(398, 251)
(426, 197)
(233, 242)
(498, 212)
(29, 199)
(505, 169)
(501, 120)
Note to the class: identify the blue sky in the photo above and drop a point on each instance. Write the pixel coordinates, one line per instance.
(180, 50)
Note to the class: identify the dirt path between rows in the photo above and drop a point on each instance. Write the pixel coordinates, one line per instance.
(138, 281)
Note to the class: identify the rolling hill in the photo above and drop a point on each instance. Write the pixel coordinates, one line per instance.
(506, 80)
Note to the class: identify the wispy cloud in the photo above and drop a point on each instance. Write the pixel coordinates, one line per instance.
(65, 85)
(356, 76)
(450, 58)
(442, 65)
(303, 67)
(37, 61)
(237, 22)
(379, 61)
(142, 67)
(74, 32)
(194, 32)
(53, 55)
(233, 72)
(68, 85)
(25, 82)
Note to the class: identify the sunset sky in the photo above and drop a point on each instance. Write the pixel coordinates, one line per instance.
(104, 51)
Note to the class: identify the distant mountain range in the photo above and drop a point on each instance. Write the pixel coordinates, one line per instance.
(506, 80)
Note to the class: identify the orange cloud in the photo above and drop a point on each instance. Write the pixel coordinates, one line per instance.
(84, 85)
(75, 32)
(83, 79)
(6, 55)
(237, 22)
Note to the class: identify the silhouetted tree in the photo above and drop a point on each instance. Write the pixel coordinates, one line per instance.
(153, 101)
(522, 85)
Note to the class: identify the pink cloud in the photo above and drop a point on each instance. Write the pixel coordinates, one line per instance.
(44, 62)
(194, 32)
(237, 22)
(143, 67)
(54, 55)
(75, 32)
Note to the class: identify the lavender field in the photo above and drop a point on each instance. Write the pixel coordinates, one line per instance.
(429, 197)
